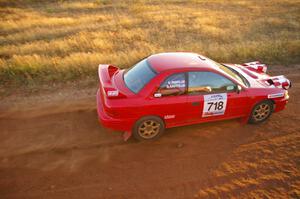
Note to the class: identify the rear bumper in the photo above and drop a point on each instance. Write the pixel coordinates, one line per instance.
(110, 122)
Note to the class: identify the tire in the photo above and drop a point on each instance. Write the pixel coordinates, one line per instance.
(261, 112)
(148, 128)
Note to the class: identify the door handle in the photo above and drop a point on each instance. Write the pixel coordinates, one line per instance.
(195, 103)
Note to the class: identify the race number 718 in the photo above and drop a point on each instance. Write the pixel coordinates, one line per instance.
(214, 104)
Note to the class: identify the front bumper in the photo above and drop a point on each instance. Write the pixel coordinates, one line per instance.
(280, 105)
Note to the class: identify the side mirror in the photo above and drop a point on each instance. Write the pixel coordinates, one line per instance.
(238, 89)
(157, 95)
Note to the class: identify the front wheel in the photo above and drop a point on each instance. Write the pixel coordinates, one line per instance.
(261, 112)
(148, 128)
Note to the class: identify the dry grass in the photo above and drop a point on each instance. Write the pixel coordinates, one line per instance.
(47, 41)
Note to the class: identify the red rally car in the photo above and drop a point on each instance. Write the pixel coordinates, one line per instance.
(174, 89)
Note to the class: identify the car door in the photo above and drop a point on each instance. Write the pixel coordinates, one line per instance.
(212, 96)
(170, 100)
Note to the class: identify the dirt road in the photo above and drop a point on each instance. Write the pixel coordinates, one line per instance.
(53, 147)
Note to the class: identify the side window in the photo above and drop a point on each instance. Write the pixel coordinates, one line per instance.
(205, 82)
(174, 85)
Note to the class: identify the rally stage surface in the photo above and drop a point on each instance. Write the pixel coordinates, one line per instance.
(52, 146)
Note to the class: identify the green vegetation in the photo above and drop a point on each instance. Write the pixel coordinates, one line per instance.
(55, 40)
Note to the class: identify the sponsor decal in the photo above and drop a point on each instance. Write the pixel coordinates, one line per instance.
(169, 117)
(112, 93)
(276, 95)
(176, 84)
(214, 104)
(157, 94)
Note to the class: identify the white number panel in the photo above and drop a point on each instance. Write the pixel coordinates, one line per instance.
(214, 104)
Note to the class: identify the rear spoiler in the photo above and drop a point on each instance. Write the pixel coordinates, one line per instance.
(106, 72)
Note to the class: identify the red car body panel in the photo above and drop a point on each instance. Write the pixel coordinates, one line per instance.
(119, 108)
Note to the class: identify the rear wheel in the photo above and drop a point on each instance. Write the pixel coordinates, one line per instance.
(148, 128)
(261, 112)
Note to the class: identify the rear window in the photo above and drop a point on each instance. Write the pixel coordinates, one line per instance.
(138, 76)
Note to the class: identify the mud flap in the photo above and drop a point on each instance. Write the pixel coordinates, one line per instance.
(244, 120)
(126, 135)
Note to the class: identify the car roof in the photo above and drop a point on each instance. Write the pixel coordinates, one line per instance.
(179, 60)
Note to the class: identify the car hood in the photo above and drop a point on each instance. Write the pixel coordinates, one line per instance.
(256, 74)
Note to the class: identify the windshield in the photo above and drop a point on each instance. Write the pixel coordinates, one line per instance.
(234, 74)
(138, 76)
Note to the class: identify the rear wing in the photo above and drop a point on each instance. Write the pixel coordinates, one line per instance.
(106, 73)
